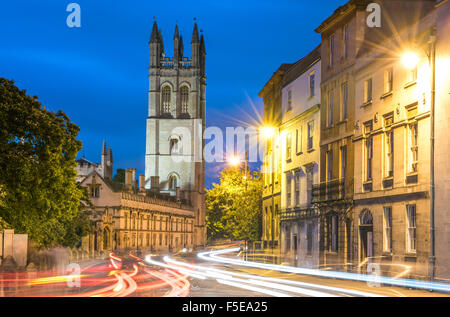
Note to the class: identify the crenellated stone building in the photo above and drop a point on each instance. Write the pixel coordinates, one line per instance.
(163, 210)
(176, 121)
(127, 218)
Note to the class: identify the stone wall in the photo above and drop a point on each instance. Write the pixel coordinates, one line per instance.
(13, 247)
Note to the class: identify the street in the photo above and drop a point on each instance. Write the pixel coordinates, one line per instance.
(211, 273)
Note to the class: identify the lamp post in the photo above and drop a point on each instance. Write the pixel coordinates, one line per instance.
(269, 132)
(410, 60)
(235, 161)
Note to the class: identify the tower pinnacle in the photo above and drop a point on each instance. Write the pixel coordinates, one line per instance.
(195, 35)
(154, 38)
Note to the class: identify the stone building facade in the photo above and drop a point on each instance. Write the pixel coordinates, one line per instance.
(163, 210)
(391, 215)
(85, 167)
(127, 218)
(442, 141)
(341, 41)
(375, 195)
(300, 138)
(175, 123)
(271, 197)
(392, 157)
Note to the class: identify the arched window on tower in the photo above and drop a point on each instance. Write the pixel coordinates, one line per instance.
(173, 182)
(184, 94)
(173, 146)
(165, 100)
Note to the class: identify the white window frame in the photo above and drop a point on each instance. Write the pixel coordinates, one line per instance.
(413, 147)
(312, 84)
(299, 140)
(368, 151)
(411, 230)
(310, 144)
(388, 80)
(389, 153)
(387, 229)
(344, 101)
(289, 100)
(297, 187)
(368, 90)
(330, 108)
(288, 146)
(345, 37)
(288, 189)
(331, 47)
(343, 161)
(329, 165)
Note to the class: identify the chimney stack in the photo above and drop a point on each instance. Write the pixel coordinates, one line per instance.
(128, 179)
(133, 178)
(141, 182)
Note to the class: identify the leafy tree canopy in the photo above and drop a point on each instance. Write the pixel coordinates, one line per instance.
(233, 206)
(38, 148)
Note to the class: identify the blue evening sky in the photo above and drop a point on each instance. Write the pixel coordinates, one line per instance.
(97, 74)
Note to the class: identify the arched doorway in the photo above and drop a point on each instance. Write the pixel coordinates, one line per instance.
(366, 236)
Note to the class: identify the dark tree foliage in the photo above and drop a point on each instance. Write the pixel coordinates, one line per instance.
(38, 148)
(119, 177)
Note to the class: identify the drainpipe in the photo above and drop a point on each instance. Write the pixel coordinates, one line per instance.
(432, 259)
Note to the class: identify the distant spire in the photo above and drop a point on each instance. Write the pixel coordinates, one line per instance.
(195, 34)
(161, 42)
(104, 148)
(176, 35)
(181, 46)
(110, 156)
(154, 38)
(202, 45)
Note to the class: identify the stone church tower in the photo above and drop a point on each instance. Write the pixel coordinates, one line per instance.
(176, 100)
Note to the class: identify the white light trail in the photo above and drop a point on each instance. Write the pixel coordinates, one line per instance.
(220, 273)
(253, 288)
(426, 285)
(162, 264)
(237, 282)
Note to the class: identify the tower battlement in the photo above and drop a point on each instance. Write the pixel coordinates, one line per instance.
(176, 100)
(167, 62)
(159, 60)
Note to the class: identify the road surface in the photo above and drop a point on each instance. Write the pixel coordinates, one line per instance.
(213, 273)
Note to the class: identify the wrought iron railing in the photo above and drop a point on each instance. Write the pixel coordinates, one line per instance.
(298, 212)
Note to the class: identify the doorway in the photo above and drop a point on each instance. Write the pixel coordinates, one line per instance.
(366, 237)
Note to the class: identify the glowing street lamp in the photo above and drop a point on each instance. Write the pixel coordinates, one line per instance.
(267, 132)
(234, 161)
(410, 60)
